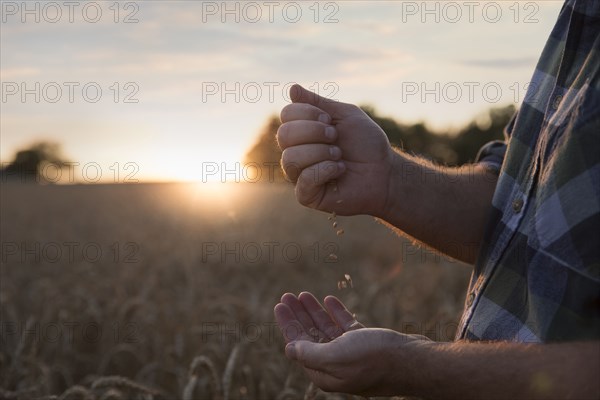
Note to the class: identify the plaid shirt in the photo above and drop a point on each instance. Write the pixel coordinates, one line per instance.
(537, 277)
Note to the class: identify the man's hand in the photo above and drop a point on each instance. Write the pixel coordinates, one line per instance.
(342, 161)
(339, 158)
(337, 352)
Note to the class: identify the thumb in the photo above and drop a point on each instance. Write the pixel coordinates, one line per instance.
(334, 108)
(309, 354)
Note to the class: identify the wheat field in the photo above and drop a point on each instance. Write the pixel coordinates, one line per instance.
(166, 291)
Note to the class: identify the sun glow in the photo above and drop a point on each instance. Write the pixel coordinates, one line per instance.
(219, 192)
(202, 164)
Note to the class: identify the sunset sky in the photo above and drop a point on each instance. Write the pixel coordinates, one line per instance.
(179, 55)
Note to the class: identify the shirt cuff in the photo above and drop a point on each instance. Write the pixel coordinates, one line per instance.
(491, 155)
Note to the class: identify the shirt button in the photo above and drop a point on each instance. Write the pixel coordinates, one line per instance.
(470, 299)
(557, 101)
(517, 205)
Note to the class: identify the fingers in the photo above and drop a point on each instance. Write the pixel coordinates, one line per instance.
(291, 328)
(340, 314)
(321, 319)
(303, 112)
(297, 158)
(305, 144)
(294, 133)
(302, 316)
(304, 136)
(310, 180)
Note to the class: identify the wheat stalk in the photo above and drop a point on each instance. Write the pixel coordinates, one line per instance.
(122, 383)
(112, 394)
(77, 392)
(190, 388)
(205, 362)
(228, 373)
(18, 394)
(22, 343)
(288, 380)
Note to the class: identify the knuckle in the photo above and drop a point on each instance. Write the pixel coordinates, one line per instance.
(327, 169)
(352, 107)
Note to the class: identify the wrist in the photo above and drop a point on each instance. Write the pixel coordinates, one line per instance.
(411, 364)
(392, 189)
(407, 190)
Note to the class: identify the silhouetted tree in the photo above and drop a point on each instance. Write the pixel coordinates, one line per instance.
(266, 152)
(26, 166)
(470, 139)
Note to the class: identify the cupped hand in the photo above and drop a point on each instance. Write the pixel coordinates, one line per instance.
(338, 157)
(337, 352)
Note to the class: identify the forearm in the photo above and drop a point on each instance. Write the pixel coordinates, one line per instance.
(504, 370)
(444, 208)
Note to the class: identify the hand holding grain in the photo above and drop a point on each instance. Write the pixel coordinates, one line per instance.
(333, 151)
(339, 354)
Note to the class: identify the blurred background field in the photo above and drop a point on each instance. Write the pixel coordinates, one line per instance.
(187, 271)
(166, 290)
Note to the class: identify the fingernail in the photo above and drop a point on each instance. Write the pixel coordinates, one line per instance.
(341, 166)
(325, 118)
(330, 132)
(335, 152)
(290, 350)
